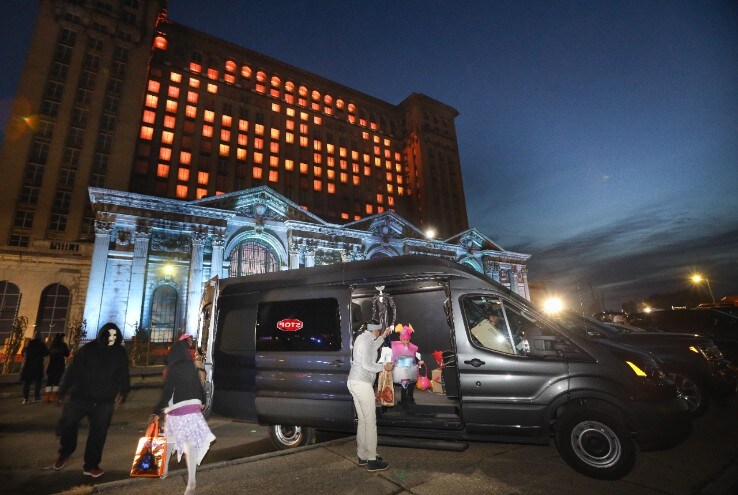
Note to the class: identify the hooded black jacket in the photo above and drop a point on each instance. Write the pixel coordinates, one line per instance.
(182, 381)
(98, 372)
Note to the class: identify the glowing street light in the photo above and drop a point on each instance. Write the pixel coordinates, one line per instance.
(697, 279)
(430, 233)
(553, 305)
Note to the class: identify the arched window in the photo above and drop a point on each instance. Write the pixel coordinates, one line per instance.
(163, 314)
(250, 258)
(9, 304)
(52, 310)
(378, 255)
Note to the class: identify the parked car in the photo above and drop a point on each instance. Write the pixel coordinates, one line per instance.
(694, 363)
(278, 352)
(717, 324)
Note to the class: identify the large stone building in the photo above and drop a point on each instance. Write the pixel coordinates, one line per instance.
(203, 157)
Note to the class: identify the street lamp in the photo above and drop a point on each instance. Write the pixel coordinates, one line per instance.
(697, 279)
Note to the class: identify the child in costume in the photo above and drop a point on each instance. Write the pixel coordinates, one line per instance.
(403, 347)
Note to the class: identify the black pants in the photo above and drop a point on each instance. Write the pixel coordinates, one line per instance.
(36, 389)
(99, 415)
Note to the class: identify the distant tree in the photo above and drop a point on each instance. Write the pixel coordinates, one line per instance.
(76, 331)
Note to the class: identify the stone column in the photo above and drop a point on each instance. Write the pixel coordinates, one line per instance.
(194, 282)
(512, 276)
(309, 257)
(216, 263)
(138, 278)
(93, 301)
(495, 272)
(294, 256)
(526, 289)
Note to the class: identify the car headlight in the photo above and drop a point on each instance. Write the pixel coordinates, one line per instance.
(646, 368)
(710, 352)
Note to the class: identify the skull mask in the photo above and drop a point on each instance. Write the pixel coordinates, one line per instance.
(112, 336)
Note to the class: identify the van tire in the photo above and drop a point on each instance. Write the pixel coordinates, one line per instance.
(286, 437)
(595, 442)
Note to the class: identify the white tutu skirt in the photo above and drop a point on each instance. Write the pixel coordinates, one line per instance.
(188, 428)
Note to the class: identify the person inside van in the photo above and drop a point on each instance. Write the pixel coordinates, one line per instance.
(363, 373)
(404, 349)
(491, 331)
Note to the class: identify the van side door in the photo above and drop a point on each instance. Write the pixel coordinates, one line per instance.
(509, 367)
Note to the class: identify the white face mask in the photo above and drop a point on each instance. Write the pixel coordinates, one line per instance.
(112, 335)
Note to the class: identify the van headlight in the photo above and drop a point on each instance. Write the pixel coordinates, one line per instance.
(710, 352)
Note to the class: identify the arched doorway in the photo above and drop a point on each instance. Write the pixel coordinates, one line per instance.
(250, 258)
(163, 313)
(52, 310)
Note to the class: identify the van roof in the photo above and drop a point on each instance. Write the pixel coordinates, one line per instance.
(395, 269)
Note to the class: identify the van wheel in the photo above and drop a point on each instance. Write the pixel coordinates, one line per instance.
(691, 391)
(595, 442)
(289, 437)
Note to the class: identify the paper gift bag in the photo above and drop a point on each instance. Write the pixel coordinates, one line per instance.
(151, 454)
(385, 389)
(437, 381)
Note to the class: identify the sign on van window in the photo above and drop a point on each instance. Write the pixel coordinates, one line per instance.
(299, 325)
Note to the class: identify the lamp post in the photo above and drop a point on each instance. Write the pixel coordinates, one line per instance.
(697, 279)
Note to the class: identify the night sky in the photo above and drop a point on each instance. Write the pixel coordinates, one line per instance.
(599, 137)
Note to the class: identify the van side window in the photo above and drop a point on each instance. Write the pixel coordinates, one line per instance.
(300, 325)
(236, 327)
(486, 323)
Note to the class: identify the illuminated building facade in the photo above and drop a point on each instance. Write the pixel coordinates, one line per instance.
(136, 144)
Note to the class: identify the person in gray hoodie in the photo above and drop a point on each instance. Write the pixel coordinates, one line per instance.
(363, 373)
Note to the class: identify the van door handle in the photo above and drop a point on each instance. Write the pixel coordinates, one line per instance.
(475, 362)
(338, 363)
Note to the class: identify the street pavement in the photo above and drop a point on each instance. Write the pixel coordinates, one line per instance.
(243, 461)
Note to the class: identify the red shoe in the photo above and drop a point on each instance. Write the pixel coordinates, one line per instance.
(94, 472)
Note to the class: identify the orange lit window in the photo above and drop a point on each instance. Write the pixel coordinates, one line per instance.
(194, 83)
(225, 135)
(229, 78)
(259, 129)
(355, 168)
(291, 100)
(354, 155)
(318, 119)
(185, 157)
(276, 82)
(160, 42)
(243, 139)
(165, 154)
(342, 152)
(230, 66)
(339, 103)
(195, 67)
(162, 170)
(289, 137)
(212, 88)
(373, 126)
(258, 158)
(303, 128)
(399, 179)
(183, 174)
(362, 122)
(258, 143)
(390, 201)
(191, 111)
(241, 154)
(173, 92)
(367, 170)
(317, 158)
(201, 193)
(146, 132)
(376, 150)
(213, 74)
(169, 121)
(246, 72)
(219, 193)
(317, 171)
(303, 168)
(365, 156)
(315, 106)
(225, 150)
(303, 141)
(151, 101)
(175, 77)
(387, 153)
(400, 190)
(243, 125)
(192, 97)
(274, 161)
(154, 86)
(352, 119)
(365, 135)
(202, 178)
(389, 190)
(389, 176)
(380, 198)
(331, 174)
(226, 120)
(181, 191)
(317, 145)
(315, 95)
(256, 173)
(274, 133)
(207, 131)
(261, 76)
(274, 147)
(330, 148)
(289, 165)
(355, 180)
(369, 209)
(303, 116)
(344, 216)
(276, 108)
(344, 165)
(149, 116)
(380, 209)
(167, 137)
(302, 102)
(303, 91)
(171, 106)
(260, 88)
(273, 176)
(351, 108)
(289, 86)
(344, 177)
(331, 188)
(291, 113)
(398, 167)
(317, 185)
(376, 138)
(328, 111)
(331, 161)
(208, 116)
(377, 162)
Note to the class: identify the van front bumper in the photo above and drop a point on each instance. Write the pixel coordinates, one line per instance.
(661, 425)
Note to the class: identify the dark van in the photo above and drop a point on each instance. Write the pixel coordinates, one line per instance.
(278, 352)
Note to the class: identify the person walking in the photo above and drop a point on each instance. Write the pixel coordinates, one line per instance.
(97, 379)
(182, 401)
(363, 373)
(33, 367)
(58, 354)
